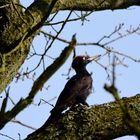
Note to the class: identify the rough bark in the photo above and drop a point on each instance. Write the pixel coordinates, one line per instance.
(106, 121)
(91, 5)
(17, 33)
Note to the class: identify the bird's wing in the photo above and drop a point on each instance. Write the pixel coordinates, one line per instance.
(71, 90)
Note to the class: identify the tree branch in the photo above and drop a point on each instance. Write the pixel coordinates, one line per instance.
(92, 5)
(38, 84)
(104, 121)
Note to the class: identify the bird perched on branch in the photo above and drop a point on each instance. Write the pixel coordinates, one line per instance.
(75, 91)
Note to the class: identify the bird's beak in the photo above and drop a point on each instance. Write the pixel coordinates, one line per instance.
(94, 58)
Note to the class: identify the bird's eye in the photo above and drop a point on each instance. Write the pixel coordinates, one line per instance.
(84, 58)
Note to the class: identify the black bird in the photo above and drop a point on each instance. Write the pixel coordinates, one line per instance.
(75, 91)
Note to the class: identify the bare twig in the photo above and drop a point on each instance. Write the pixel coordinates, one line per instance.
(62, 27)
(7, 136)
(22, 124)
(45, 102)
(44, 53)
(58, 38)
(4, 103)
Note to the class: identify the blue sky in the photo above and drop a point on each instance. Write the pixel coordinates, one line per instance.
(101, 23)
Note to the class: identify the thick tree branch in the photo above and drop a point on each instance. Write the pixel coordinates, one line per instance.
(97, 122)
(94, 5)
(38, 84)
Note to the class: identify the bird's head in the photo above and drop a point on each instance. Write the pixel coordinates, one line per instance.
(82, 61)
